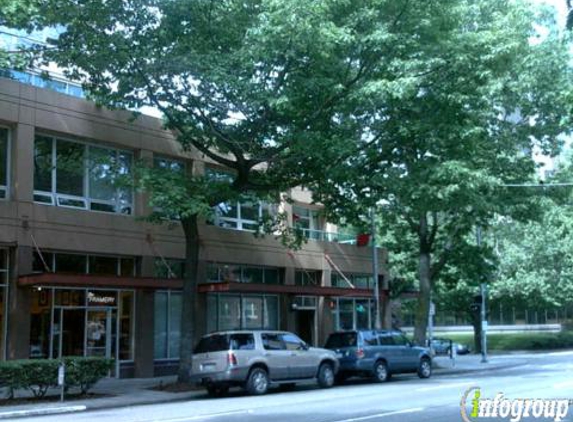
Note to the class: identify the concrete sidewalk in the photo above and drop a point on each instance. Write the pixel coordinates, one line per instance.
(134, 392)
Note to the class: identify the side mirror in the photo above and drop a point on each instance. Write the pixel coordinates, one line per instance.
(304, 346)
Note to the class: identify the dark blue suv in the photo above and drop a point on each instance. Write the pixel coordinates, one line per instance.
(378, 354)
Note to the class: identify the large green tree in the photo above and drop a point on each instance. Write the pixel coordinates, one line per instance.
(257, 86)
(474, 92)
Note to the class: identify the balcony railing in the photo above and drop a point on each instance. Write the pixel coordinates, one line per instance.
(324, 236)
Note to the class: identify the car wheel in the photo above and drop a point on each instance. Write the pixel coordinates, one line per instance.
(257, 382)
(217, 390)
(325, 375)
(381, 371)
(425, 368)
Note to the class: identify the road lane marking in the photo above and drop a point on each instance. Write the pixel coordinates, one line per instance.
(207, 416)
(440, 386)
(382, 415)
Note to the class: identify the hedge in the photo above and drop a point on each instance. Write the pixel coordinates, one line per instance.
(38, 375)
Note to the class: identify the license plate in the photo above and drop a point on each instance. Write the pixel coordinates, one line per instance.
(207, 366)
(340, 355)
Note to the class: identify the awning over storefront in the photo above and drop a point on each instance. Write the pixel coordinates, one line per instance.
(231, 287)
(88, 280)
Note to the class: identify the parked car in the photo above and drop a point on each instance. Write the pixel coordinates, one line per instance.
(378, 354)
(255, 360)
(444, 346)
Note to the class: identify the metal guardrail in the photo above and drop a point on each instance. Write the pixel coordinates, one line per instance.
(324, 236)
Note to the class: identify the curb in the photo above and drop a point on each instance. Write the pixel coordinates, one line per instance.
(41, 412)
(453, 371)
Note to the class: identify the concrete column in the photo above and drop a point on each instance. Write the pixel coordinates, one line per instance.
(144, 325)
(22, 163)
(19, 301)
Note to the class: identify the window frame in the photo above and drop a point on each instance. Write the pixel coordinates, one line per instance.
(168, 350)
(55, 198)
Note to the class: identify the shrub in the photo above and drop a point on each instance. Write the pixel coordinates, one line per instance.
(85, 372)
(38, 375)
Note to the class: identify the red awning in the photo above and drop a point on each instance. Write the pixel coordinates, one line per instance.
(89, 280)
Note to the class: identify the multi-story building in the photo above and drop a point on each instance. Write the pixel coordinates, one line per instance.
(82, 274)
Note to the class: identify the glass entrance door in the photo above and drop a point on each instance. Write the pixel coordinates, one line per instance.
(98, 333)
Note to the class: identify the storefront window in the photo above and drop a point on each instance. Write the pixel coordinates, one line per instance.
(167, 332)
(83, 264)
(41, 310)
(231, 312)
(353, 314)
(126, 321)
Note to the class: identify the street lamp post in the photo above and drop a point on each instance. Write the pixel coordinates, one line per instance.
(377, 322)
(483, 320)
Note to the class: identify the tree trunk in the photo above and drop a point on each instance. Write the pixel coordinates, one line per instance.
(189, 302)
(476, 322)
(423, 309)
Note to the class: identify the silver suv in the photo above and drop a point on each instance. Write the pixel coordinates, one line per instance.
(256, 359)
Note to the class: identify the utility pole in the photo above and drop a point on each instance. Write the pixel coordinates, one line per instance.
(377, 322)
(483, 292)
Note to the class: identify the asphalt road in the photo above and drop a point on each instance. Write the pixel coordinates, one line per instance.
(405, 398)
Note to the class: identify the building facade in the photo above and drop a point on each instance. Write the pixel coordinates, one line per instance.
(82, 274)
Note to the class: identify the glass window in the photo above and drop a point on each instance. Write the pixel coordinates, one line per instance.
(339, 340)
(3, 261)
(272, 341)
(242, 342)
(169, 268)
(252, 312)
(307, 278)
(385, 339)
(292, 342)
(229, 310)
(161, 325)
(101, 162)
(213, 343)
(127, 267)
(3, 162)
(400, 339)
(253, 275)
(126, 326)
(103, 265)
(70, 168)
(39, 265)
(43, 164)
(174, 324)
(272, 276)
(167, 334)
(230, 273)
(362, 314)
(271, 320)
(87, 177)
(71, 263)
(370, 338)
(169, 164)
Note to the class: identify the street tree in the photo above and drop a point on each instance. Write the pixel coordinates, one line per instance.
(256, 86)
(449, 124)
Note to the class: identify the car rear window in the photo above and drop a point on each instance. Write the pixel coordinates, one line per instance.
(338, 340)
(214, 343)
(223, 342)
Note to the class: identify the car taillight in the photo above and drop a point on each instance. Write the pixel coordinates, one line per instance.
(359, 353)
(231, 359)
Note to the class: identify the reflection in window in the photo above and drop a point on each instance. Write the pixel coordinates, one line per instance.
(235, 312)
(72, 174)
(242, 274)
(353, 314)
(169, 268)
(167, 330)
